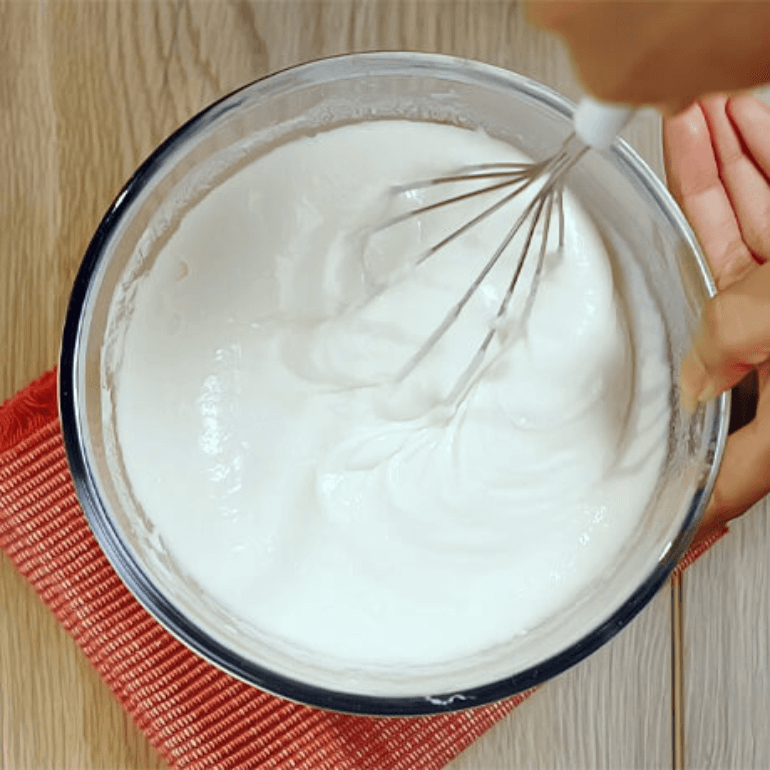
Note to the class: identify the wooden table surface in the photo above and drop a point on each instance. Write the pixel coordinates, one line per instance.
(87, 90)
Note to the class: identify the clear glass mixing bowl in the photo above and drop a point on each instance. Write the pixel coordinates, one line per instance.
(660, 270)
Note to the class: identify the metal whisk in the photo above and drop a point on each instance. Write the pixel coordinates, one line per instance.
(595, 126)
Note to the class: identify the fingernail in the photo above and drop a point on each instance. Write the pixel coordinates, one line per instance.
(695, 385)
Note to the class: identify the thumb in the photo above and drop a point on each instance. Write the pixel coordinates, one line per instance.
(744, 476)
(733, 339)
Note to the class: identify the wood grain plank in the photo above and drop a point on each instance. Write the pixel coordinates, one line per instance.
(727, 650)
(611, 712)
(29, 194)
(87, 89)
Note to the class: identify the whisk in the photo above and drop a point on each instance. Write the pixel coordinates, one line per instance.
(595, 126)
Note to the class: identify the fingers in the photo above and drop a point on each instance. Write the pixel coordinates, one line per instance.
(718, 158)
(752, 119)
(733, 339)
(693, 178)
(744, 477)
(690, 163)
(744, 180)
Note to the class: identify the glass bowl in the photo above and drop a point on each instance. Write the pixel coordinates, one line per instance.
(660, 273)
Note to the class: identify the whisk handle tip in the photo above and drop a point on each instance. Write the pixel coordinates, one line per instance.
(598, 123)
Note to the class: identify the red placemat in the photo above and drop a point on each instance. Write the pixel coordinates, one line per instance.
(194, 714)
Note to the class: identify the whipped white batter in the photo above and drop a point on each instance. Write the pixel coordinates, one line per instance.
(285, 473)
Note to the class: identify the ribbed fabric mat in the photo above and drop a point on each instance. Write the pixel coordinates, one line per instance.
(194, 714)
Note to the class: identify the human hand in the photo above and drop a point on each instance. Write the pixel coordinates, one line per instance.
(717, 157)
(661, 52)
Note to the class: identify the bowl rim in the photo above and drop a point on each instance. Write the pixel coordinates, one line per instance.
(104, 528)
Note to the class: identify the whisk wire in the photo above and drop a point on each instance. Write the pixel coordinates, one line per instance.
(509, 179)
(534, 284)
(478, 171)
(429, 252)
(464, 379)
(541, 207)
(456, 309)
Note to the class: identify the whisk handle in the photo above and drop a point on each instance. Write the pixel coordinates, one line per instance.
(598, 123)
